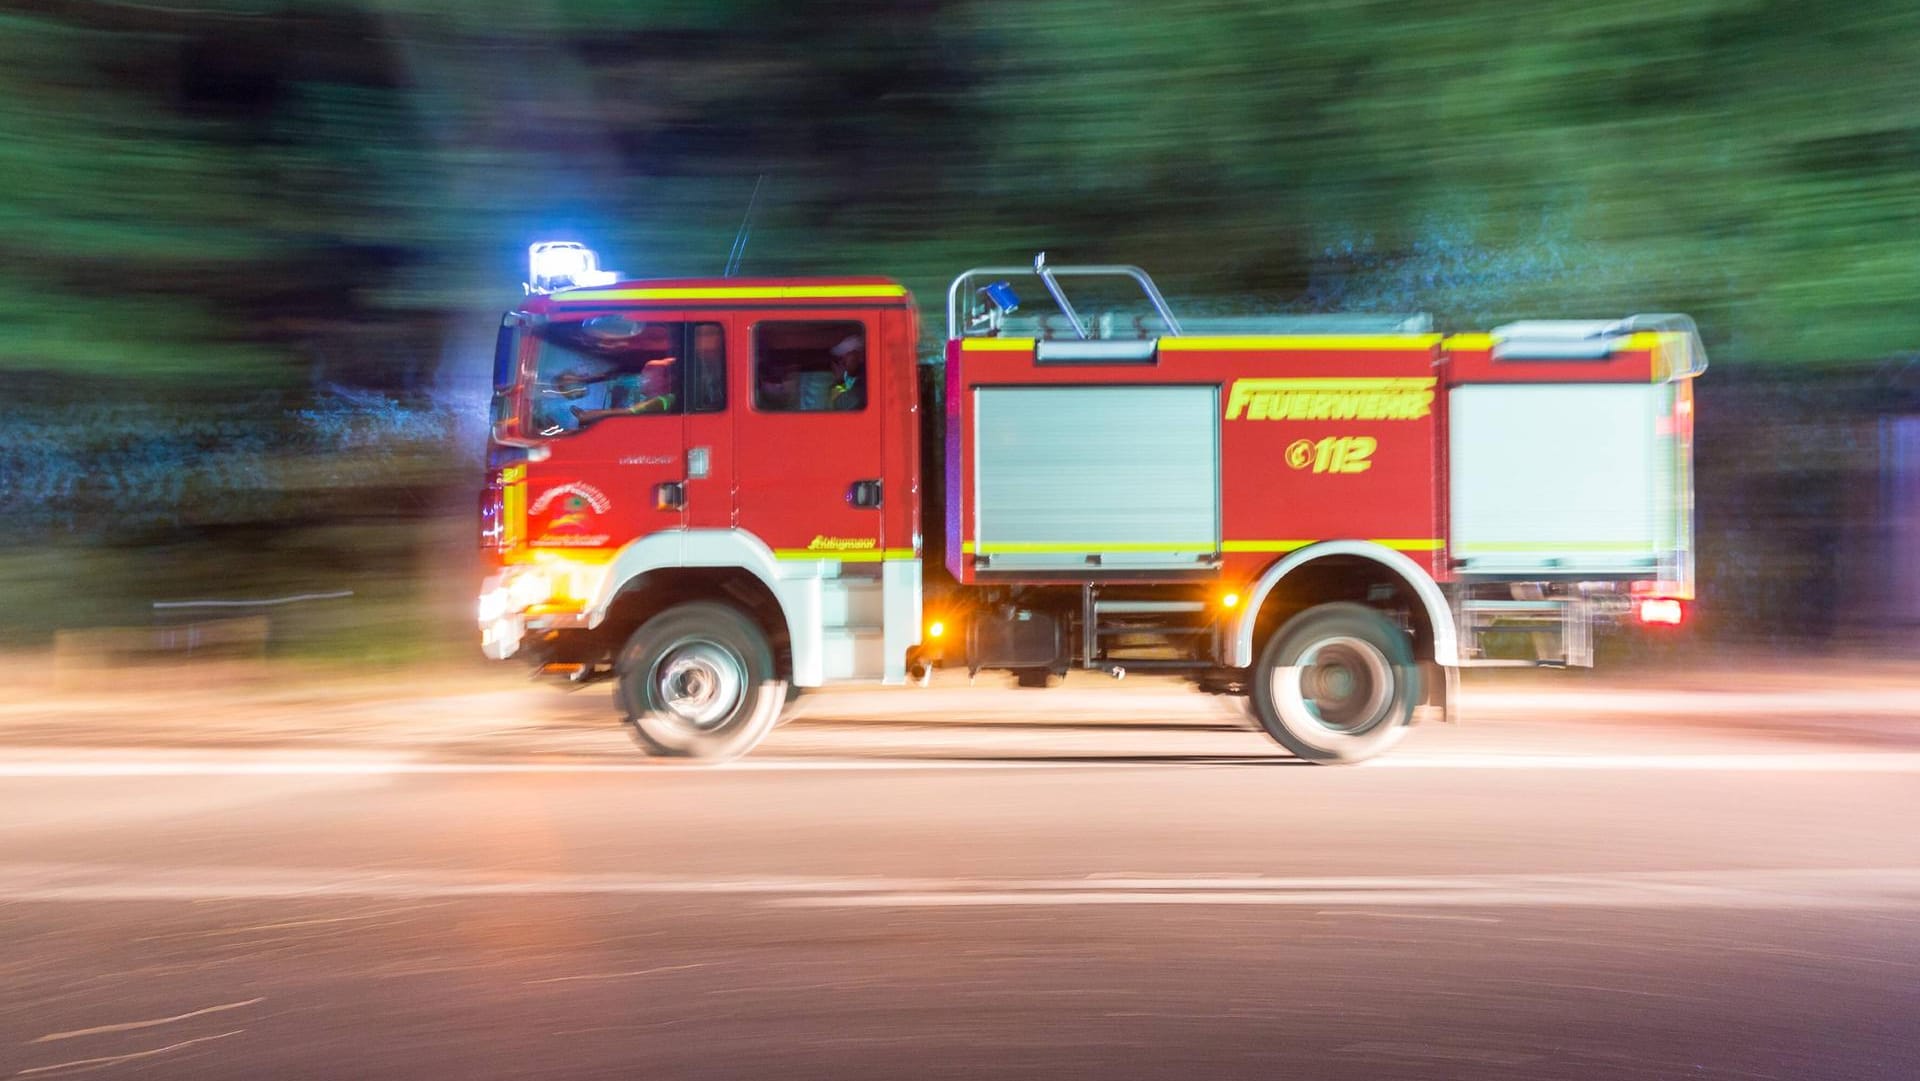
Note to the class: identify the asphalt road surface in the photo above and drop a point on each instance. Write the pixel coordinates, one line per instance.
(482, 881)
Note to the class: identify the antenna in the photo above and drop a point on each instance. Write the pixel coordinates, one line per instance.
(746, 230)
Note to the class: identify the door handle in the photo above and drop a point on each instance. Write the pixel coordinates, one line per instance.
(669, 496)
(863, 493)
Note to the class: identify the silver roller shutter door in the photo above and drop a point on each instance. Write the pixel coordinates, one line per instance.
(1563, 477)
(1128, 474)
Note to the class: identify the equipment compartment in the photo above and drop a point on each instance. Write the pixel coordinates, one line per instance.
(1572, 456)
(1120, 477)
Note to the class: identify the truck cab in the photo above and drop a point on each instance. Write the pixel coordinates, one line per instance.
(739, 442)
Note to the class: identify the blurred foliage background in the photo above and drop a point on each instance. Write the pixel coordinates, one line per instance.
(254, 248)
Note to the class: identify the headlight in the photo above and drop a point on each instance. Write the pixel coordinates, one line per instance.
(528, 588)
(493, 605)
(554, 585)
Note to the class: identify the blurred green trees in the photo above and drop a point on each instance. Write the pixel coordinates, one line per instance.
(248, 189)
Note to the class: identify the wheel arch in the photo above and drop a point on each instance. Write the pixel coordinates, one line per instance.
(1324, 569)
(673, 566)
(652, 592)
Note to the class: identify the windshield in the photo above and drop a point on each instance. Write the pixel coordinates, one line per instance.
(607, 366)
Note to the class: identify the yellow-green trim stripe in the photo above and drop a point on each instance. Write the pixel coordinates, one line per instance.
(1398, 544)
(851, 555)
(1354, 342)
(1347, 342)
(996, 345)
(738, 292)
(1007, 548)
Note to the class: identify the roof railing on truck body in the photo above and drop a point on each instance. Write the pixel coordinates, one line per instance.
(981, 310)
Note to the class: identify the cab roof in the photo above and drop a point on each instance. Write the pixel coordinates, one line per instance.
(725, 292)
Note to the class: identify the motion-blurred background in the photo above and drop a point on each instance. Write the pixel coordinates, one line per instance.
(254, 250)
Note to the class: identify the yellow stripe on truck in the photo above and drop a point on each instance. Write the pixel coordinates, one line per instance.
(868, 555)
(739, 292)
(1398, 544)
(1244, 343)
(997, 345)
(1009, 548)
(1301, 342)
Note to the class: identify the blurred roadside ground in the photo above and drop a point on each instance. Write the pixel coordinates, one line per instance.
(1692, 700)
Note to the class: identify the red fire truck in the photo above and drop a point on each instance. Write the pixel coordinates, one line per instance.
(710, 491)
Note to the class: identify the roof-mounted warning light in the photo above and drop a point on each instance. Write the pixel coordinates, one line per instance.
(563, 264)
(996, 300)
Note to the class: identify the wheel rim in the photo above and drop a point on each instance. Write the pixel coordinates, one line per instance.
(1342, 684)
(698, 684)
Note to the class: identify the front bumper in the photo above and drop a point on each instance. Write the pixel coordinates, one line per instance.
(500, 639)
(529, 599)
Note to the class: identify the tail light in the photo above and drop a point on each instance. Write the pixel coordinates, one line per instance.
(1662, 610)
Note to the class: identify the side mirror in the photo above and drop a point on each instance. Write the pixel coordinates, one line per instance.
(507, 434)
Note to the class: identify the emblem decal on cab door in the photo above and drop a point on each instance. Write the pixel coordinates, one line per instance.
(577, 504)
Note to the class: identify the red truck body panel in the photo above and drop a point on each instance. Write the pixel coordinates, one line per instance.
(1320, 438)
(1280, 489)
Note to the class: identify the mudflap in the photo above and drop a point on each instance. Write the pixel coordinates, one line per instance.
(1441, 687)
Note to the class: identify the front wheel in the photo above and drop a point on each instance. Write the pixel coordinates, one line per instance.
(697, 681)
(1337, 683)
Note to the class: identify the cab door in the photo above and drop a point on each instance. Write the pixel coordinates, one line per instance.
(714, 358)
(808, 452)
(606, 398)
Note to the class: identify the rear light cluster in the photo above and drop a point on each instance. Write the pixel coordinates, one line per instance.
(1665, 611)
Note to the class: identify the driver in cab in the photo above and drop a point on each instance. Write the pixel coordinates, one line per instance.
(650, 390)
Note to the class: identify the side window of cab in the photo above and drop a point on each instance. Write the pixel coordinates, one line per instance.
(707, 376)
(809, 366)
(613, 366)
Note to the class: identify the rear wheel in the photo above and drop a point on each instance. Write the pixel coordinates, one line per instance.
(697, 681)
(1337, 683)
